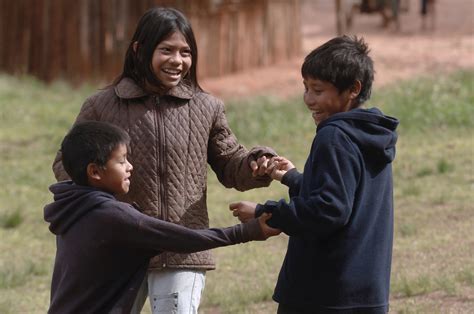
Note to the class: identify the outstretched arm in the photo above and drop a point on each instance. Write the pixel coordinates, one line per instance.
(157, 235)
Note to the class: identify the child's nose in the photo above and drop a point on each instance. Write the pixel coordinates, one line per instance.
(309, 99)
(176, 59)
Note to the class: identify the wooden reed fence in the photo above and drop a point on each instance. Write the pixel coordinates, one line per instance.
(78, 40)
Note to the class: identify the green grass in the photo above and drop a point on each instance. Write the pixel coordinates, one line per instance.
(11, 219)
(34, 117)
(17, 274)
(433, 173)
(431, 104)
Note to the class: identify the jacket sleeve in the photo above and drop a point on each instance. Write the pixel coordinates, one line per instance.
(87, 112)
(230, 160)
(154, 235)
(332, 187)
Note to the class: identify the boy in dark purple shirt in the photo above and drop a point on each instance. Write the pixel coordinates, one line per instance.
(103, 245)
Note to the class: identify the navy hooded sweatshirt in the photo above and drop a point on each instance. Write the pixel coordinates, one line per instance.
(339, 218)
(104, 246)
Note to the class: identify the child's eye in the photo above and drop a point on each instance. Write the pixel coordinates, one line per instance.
(165, 49)
(186, 53)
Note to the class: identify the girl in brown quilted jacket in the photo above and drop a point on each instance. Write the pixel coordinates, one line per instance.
(176, 130)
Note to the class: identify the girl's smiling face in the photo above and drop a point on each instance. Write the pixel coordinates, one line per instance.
(172, 60)
(323, 99)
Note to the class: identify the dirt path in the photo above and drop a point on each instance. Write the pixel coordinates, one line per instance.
(397, 55)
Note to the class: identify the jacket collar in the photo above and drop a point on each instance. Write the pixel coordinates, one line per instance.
(128, 89)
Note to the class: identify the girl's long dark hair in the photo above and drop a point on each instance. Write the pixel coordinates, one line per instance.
(154, 27)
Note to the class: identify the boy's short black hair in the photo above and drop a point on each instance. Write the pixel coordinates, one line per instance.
(342, 61)
(90, 142)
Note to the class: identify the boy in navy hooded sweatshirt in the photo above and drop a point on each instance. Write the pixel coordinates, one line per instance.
(103, 245)
(340, 213)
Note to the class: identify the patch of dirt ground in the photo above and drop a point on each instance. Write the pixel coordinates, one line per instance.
(397, 55)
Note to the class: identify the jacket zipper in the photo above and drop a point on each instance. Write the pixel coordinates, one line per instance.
(162, 169)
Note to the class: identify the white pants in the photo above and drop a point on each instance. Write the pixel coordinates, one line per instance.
(172, 291)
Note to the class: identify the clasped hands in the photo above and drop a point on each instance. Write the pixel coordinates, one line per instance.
(276, 167)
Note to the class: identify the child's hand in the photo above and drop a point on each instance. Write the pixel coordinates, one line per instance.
(267, 230)
(244, 210)
(259, 166)
(278, 166)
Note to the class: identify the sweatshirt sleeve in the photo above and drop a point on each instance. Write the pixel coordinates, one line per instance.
(156, 235)
(292, 179)
(331, 188)
(87, 112)
(231, 160)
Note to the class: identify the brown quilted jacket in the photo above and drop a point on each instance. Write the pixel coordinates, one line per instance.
(173, 138)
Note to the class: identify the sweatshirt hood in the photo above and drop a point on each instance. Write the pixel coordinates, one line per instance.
(71, 202)
(371, 130)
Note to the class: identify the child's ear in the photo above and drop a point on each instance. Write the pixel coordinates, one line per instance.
(135, 46)
(355, 90)
(93, 172)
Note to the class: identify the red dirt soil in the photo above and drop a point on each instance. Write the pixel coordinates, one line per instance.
(398, 55)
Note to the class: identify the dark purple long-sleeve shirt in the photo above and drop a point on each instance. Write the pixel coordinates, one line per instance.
(104, 246)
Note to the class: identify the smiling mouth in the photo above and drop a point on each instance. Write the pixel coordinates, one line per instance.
(172, 72)
(317, 115)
